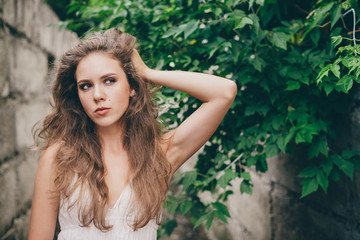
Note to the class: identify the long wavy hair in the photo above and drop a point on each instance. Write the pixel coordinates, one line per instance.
(79, 156)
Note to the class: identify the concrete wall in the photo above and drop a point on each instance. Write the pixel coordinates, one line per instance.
(27, 46)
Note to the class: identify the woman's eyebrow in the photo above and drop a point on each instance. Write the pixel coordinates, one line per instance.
(83, 81)
(108, 75)
(102, 77)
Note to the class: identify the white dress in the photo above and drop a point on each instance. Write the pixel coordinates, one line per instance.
(116, 216)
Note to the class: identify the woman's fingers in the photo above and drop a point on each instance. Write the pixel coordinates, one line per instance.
(140, 66)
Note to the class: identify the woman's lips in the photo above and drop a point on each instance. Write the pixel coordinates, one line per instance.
(102, 111)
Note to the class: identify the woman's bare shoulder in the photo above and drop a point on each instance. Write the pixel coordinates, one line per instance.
(45, 205)
(52, 149)
(48, 156)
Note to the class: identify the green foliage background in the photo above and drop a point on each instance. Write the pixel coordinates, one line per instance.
(295, 64)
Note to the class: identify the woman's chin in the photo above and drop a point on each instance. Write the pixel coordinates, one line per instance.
(107, 125)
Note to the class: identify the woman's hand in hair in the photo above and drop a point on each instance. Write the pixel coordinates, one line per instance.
(140, 67)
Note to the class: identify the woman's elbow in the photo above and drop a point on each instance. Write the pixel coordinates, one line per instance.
(230, 91)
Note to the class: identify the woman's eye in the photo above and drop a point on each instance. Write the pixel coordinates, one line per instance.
(85, 86)
(109, 81)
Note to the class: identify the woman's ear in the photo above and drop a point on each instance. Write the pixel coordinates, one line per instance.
(132, 93)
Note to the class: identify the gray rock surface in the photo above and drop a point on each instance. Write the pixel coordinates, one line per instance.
(27, 43)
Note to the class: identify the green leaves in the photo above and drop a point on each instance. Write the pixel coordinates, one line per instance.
(187, 29)
(335, 70)
(189, 179)
(292, 85)
(335, 14)
(309, 185)
(346, 68)
(317, 147)
(169, 225)
(259, 2)
(241, 22)
(190, 28)
(221, 208)
(324, 72)
(228, 176)
(215, 209)
(345, 83)
(185, 207)
(336, 40)
(279, 39)
(344, 165)
(320, 14)
(202, 219)
(309, 172)
(315, 176)
(246, 187)
(271, 150)
(239, 19)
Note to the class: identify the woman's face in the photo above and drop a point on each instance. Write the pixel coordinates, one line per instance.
(103, 88)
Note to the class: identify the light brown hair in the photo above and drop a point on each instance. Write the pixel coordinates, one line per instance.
(80, 153)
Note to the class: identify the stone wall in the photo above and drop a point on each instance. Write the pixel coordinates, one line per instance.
(27, 47)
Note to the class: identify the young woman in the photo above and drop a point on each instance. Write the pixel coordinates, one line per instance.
(107, 163)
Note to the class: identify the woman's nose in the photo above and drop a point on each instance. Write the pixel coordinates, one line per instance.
(99, 94)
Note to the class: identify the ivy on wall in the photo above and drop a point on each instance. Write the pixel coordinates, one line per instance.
(295, 63)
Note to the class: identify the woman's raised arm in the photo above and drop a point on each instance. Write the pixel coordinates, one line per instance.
(217, 95)
(44, 207)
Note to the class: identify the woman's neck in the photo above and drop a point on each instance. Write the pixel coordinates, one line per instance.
(111, 138)
(114, 156)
